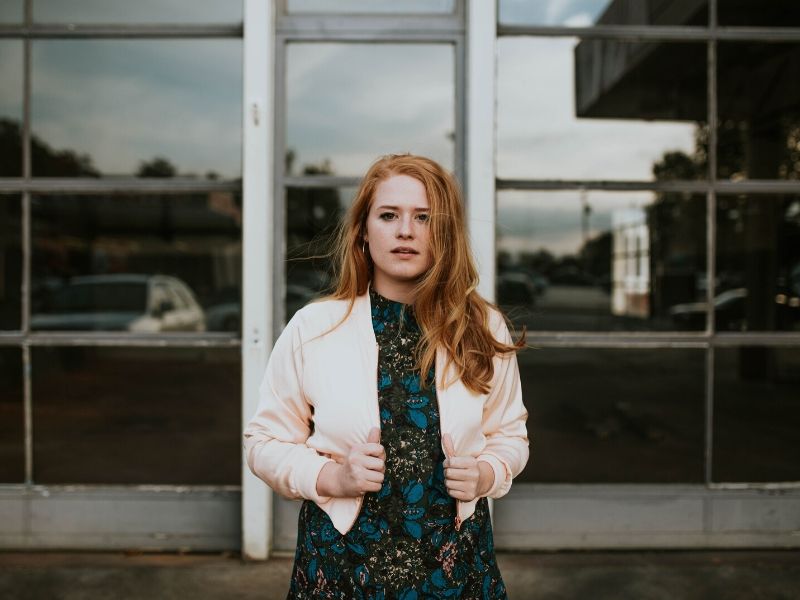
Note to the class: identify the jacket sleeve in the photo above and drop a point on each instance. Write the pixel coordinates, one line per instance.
(504, 417)
(275, 438)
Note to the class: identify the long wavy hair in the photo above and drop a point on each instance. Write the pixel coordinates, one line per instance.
(447, 306)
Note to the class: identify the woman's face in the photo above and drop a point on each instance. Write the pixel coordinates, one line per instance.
(398, 234)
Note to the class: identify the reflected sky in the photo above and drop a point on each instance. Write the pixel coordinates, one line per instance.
(11, 76)
(371, 6)
(350, 103)
(11, 11)
(528, 221)
(538, 135)
(571, 13)
(123, 102)
(141, 11)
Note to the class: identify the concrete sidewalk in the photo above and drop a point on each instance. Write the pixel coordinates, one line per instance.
(696, 575)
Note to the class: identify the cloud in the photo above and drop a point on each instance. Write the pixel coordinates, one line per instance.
(538, 135)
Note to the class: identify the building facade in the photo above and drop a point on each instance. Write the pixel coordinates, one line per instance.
(171, 174)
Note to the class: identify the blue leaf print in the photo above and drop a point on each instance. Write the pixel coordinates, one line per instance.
(418, 418)
(362, 575)
(411, 383)
(408, 594)
(414, 529)
(312, 570)
(357, 548)
(437, 578)
(385, 380)
(413, 492)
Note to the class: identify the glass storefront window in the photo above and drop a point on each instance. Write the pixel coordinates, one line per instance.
(136, 416)
(756, 13)
(758, 263)
(135, 263)
(600, 109)
(10, 262)
(11, 13)
(12, 417)
(756, 414)
(601, 261)
(759, 111)
(144, 108)
(142, 11)
(587, 13)
(614, 415)
(11, 108)
(370, 6)
(312, 217)
(347, 104)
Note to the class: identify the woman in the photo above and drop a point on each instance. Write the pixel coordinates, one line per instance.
(394, 468)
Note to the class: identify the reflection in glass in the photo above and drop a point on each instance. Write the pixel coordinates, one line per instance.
(757, 13)
(371, 6)
(758, 263)
(11, 108)
(143, 264)
(10, 262)
(600, 261)
(136, 415)
(759, 110)
(11, 13)
(349, 103)
(312, 217)
(585, 13)
(614, 415)
(600, 109)
(756, 414)
(137, 108)
(141, 11)
(12, 417)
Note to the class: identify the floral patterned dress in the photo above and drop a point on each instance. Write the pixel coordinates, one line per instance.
(404, 543)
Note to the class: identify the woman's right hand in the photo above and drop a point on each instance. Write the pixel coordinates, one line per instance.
(359, 472)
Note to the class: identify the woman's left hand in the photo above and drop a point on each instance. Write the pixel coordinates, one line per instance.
(465, 477)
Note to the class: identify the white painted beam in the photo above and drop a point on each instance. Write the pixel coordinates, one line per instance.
(257, 236)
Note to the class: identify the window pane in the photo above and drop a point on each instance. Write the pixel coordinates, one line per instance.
(600, 109)
(312, 216)
(758, 263)
(12, 417)
(11, 108)
(371, 6)
(10, 262)
(601, 261)
(349, 103)
(756, 414)
(757, 13)
(133, 107)
(141, 11)
(585, 13)
(613, 415)
(759, 110)
(11, 12)
(122, 263)
(137, 415)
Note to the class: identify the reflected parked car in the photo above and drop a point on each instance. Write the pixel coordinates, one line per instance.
(136, 303)
(515, 288)
(729, 311)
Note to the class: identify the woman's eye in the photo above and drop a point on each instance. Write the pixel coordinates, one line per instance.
(424, 217)
(387, 216)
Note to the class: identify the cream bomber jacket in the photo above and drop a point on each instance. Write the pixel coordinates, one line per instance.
(319, 396)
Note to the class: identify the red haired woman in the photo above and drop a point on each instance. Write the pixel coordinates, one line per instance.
(393, 406)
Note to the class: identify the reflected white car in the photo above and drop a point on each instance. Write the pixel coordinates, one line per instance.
(120, 302)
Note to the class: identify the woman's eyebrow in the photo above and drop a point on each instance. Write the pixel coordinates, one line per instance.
(395, 208)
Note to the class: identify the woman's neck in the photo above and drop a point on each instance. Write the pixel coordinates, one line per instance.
(393, 291)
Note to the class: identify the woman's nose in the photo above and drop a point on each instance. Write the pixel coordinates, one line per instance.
(405, 227)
